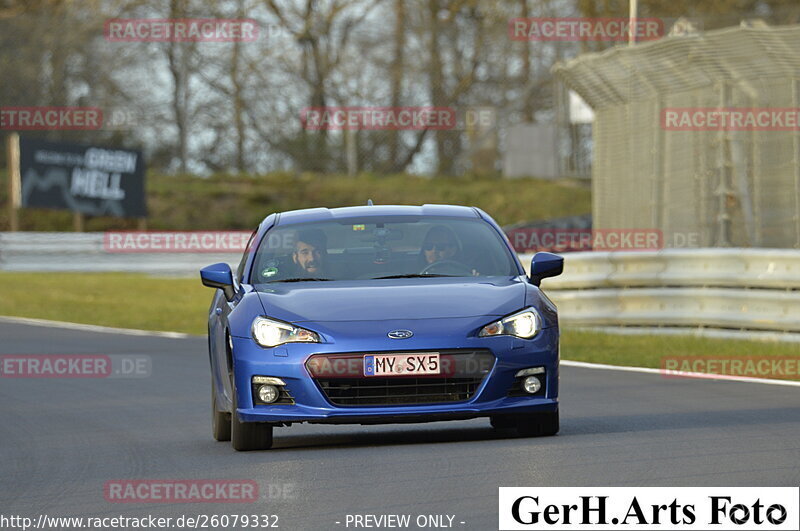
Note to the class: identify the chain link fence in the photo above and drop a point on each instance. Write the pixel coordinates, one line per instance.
(736, 184)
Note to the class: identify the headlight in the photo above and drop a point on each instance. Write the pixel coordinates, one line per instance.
(269, 333)
(524, 324)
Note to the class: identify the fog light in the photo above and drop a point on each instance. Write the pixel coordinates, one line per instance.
(268, 393)
(531, 384)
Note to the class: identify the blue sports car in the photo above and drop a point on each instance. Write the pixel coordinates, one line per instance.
(381, 314)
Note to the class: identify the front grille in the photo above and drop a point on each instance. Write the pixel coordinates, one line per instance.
(341, 378)
(398, 391)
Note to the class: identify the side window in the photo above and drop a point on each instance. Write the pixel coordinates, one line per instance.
(240, 269)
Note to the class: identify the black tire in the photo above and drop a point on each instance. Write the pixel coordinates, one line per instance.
(503, 422)
(220, 420)
(247, 436)
(538, 424)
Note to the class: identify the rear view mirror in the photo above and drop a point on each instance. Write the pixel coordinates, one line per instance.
(219, 276)
(545, 265)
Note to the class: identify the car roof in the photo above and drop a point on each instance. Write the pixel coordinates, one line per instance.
(324, 214)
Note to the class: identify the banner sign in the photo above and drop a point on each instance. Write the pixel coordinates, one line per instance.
(92, 180)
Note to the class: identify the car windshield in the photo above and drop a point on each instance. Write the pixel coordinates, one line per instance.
(382, 248)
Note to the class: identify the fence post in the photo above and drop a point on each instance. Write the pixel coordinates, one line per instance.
(657, 192)
(77, 221)
(351, 151)
(14, 181)
(796, 164)
(724, 190)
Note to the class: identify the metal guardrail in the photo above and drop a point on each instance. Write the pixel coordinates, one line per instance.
(736, 268)
(740, 289)
(86, 252)
(708, 307)
(736, 289)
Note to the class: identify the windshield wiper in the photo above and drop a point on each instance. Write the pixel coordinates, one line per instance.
(306, 279)
(412, 275)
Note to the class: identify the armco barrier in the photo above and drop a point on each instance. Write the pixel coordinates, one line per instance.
(738, 309)
(734, 289)
(741, 289)
(85, 252)
(732, 268)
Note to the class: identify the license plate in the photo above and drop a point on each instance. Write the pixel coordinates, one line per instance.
(402, 364)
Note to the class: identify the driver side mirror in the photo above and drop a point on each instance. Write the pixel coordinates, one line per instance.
(545, 265)
(219, 276)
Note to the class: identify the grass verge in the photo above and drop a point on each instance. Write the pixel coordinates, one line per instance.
(181, 304)
(108, 299)
(649, 350)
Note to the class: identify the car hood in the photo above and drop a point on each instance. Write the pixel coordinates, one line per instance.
(378, 300)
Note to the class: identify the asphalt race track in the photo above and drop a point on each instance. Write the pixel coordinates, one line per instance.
(62, 439)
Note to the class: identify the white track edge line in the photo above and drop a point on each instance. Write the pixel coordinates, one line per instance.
(93, 328)
(692, 375)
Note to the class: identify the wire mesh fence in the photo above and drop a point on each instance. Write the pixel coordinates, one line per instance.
(698, 132)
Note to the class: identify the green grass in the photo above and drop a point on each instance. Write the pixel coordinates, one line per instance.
(181, 304)
(648, 350)
(241, 202)
(108, 299)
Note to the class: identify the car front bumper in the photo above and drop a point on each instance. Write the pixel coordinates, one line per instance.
(288, 362)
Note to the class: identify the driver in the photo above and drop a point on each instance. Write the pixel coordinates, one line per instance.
(311, 252)
(440, 244)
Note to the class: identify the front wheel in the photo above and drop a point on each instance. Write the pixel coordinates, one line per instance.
(247, 436)
(538, 424)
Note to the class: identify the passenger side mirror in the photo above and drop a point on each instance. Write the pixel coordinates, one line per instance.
(219, 276)
(545, 265)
